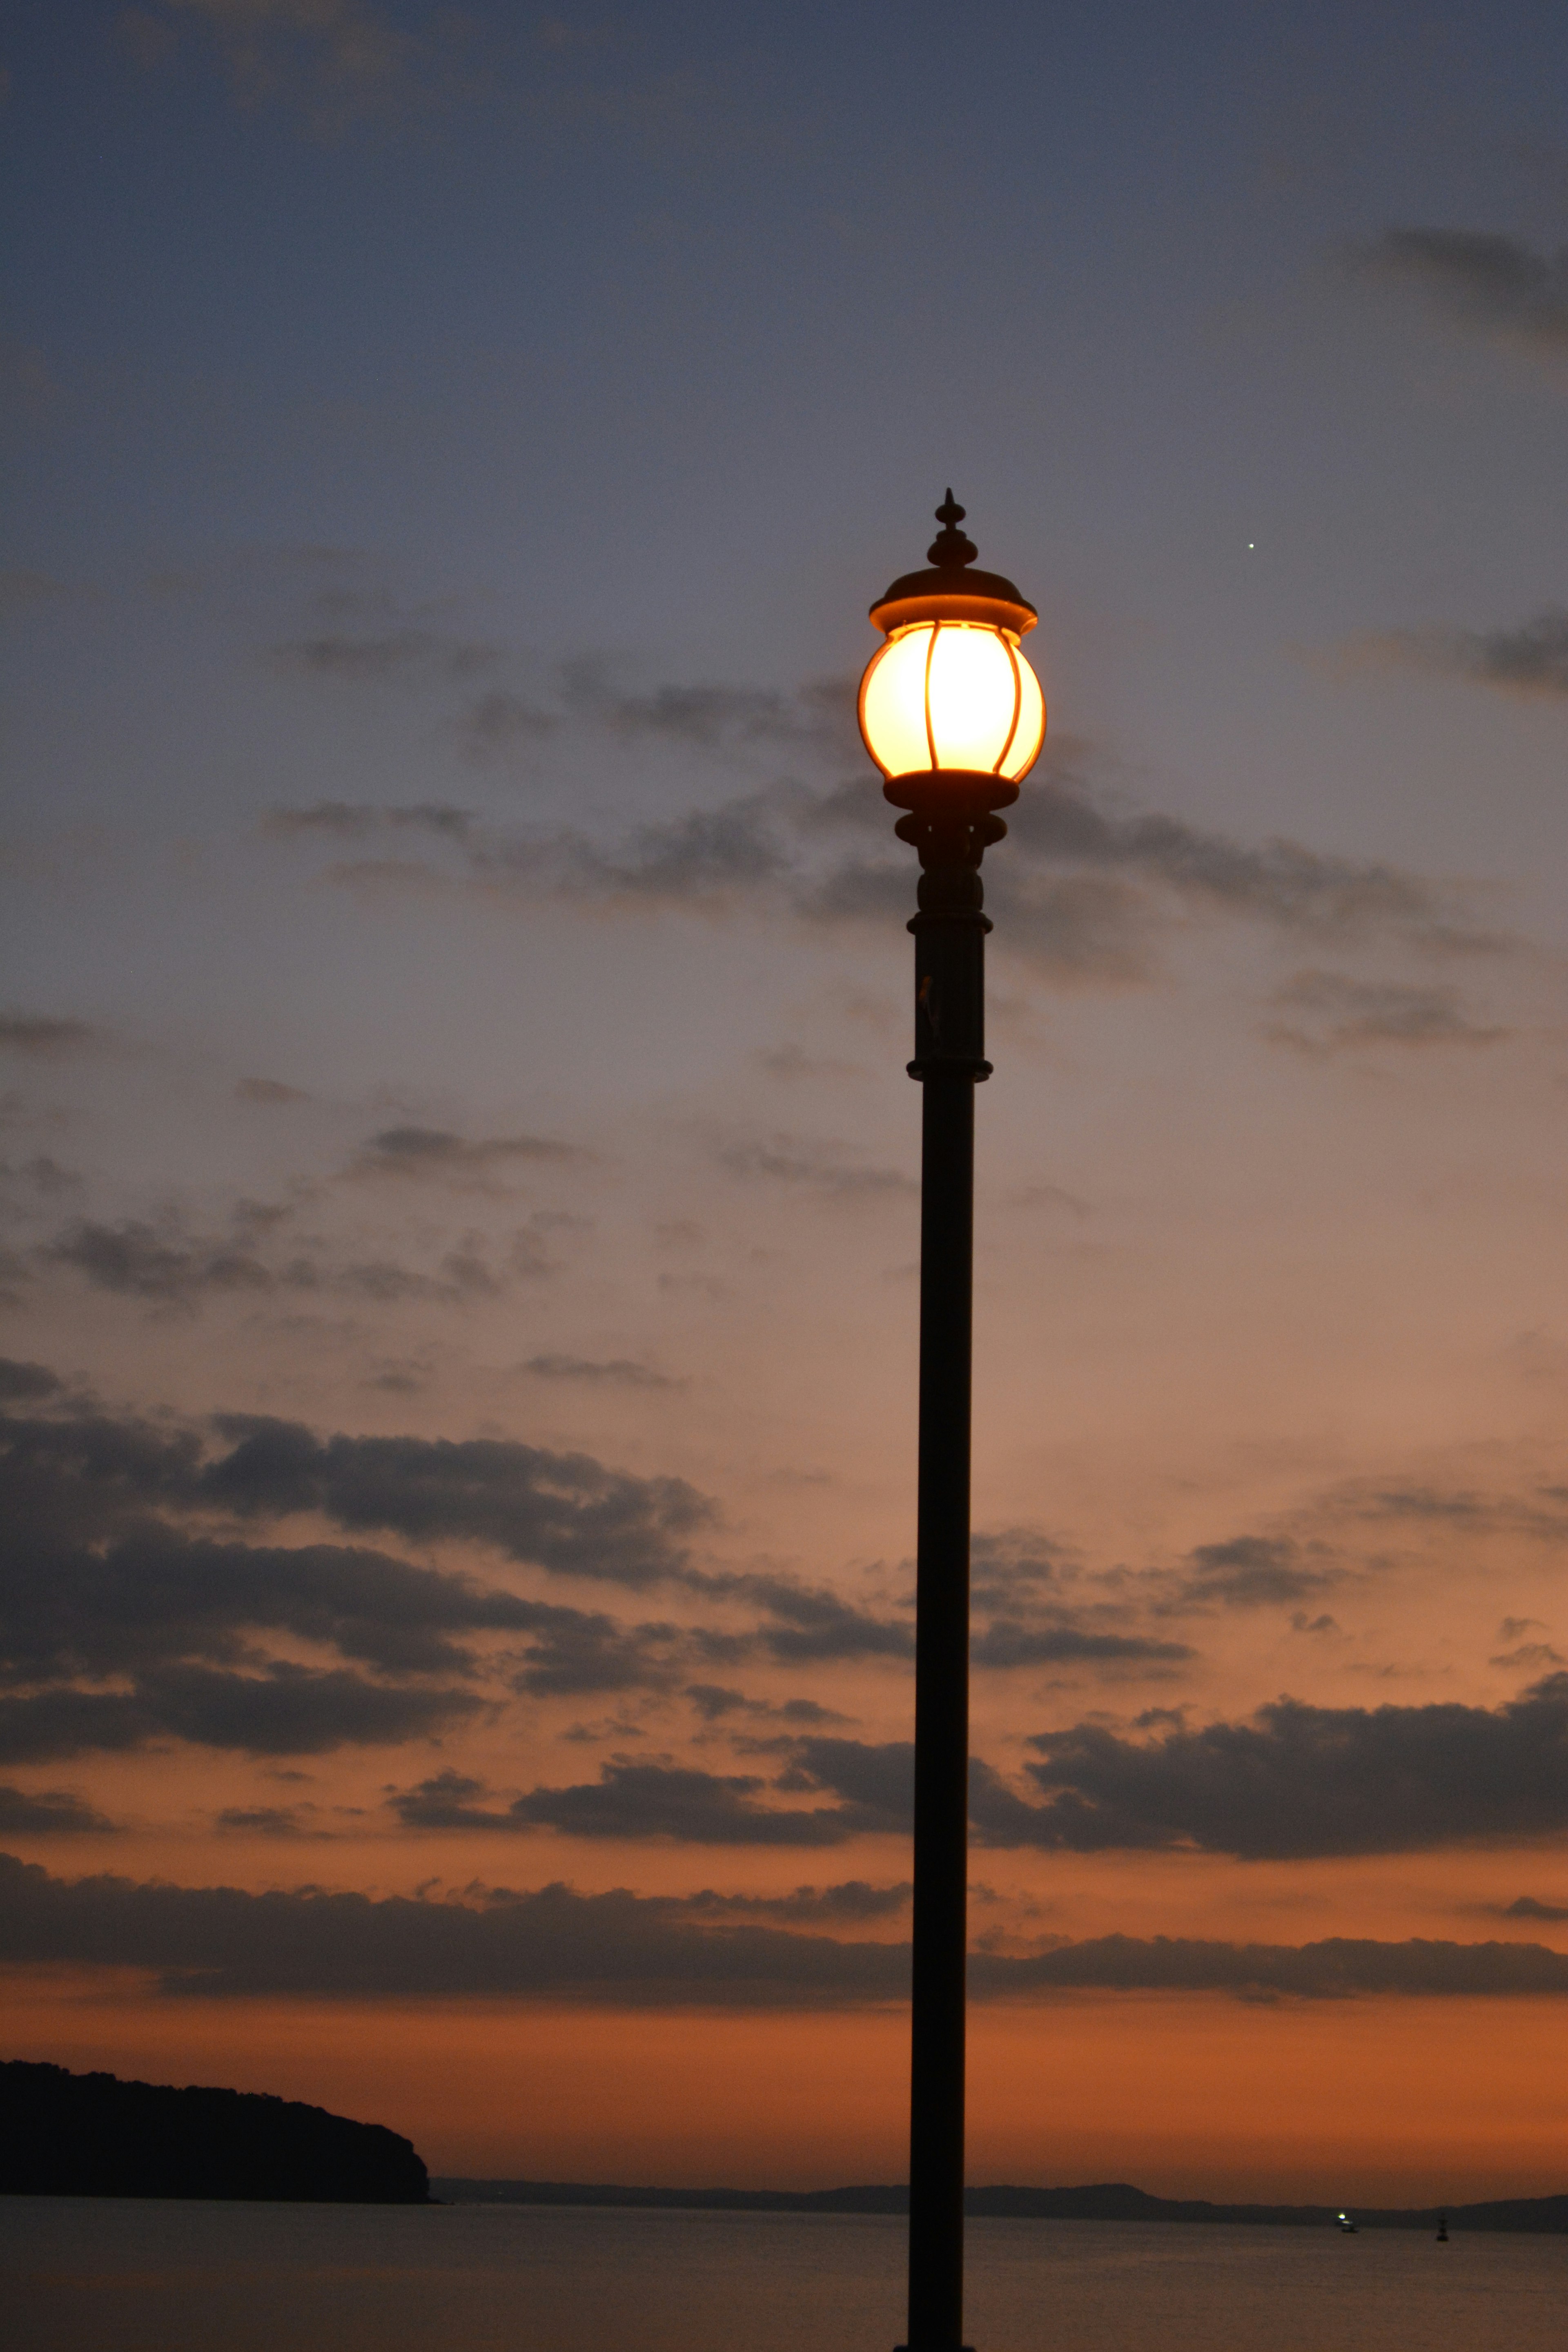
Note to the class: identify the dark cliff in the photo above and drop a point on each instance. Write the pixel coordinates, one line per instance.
(65, 2135)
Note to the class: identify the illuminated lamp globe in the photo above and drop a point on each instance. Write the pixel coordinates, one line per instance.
(950, 691)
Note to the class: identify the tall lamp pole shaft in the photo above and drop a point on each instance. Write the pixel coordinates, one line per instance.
(950, 671)
(949, 1045)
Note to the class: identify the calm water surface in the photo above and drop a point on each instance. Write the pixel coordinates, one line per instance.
(121, 2276)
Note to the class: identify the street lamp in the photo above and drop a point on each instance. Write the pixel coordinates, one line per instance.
(952, 715)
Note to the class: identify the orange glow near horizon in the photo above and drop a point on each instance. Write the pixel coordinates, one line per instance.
(1388, 2102)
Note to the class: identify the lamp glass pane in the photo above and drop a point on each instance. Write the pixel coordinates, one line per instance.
(893, 704)
(967, 684)
(1025, 748)
(973, 697)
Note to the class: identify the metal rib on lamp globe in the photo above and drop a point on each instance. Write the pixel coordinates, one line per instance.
(952, 695)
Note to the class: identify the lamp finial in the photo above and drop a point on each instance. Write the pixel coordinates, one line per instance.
(950, 551)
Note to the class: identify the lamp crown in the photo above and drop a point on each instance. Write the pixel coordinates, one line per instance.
(949, 590)
(951, 549)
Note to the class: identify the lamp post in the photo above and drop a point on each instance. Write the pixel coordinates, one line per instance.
(952, 715)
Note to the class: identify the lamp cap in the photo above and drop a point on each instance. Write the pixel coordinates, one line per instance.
(950, 590)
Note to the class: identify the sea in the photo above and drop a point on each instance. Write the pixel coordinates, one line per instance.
(124, 2274)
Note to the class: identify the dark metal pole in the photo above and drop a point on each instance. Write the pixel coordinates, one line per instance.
(949, 932)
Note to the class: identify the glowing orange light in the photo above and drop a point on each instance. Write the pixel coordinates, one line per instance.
(952, 694)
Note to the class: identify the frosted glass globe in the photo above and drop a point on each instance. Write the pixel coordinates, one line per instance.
(952, 694)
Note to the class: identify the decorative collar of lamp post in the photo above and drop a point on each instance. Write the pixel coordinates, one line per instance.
(951, 711)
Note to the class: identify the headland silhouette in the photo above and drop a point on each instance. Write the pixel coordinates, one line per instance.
(64, 2135)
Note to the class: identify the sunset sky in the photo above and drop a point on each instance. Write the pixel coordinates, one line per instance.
(459, 1284)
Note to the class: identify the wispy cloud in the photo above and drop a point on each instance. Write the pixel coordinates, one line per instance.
(173, 1266)
(637, 1800)
(337, 62)
(614, 1371)
(818, 716)
(1251, 1572)
(420, 1153)
(404, 655)
(1481, 282)
(1083, 893)
(49, 1812)
(1331, 1012)
(354, 821)
(820, 1167)
(1529, 659)
(47, 1037)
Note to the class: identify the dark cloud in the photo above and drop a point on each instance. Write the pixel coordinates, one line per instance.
(434, 1151)
(821, 1168)
(112, 1567)
(565, 1512)
(877, 1780)
(1298, 1780)
(269, 1820)
(636, 1800)
(621, 1948)
(86, 1471)
(45, 1038)
(283, 1710)
(41, 1174)
(1527, 1907)
(817, 717)
(716, 1702)
(158, 1262)
(173, 1266)
(1005, 1643)
(815, 1625)
(109, 1574)
(1007, 1564)
(717, 852)
(850, 1903)
(1253, 1572)
(615, 1947)
(1083, 892)
(1462, 1510)
(1058, 824)
(270, 1091)
(158, 1594)
(1329, 1011)
(1531, 658)
(1337, 1969)
(448, 1800)
(499, 721)
(575, 1651)
(1488, 285)
(1024, 1585)
(353, 820)
(20, 1381)
(48, 1812)
(404, 655)
(617, 1372)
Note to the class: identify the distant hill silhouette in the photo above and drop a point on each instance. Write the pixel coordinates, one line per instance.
(64, 2135)
(1111, 2200)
